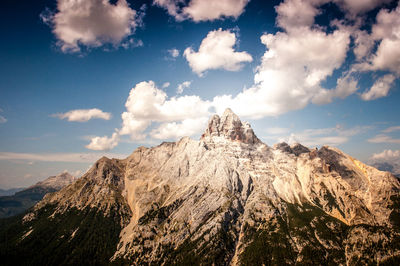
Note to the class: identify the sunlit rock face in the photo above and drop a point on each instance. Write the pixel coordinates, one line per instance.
(229, 199)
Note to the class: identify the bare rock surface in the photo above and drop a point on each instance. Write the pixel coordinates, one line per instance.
(229, 199)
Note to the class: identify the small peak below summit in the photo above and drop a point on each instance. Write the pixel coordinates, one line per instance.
(230, 127)
(57, 182)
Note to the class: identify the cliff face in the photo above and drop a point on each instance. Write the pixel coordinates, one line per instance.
(230, 199)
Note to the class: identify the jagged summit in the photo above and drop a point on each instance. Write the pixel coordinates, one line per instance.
(230, 127)
(226, 199)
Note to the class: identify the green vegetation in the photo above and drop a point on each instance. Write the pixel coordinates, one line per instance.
(273, 243)
(21, 201)
(75, 237)
(301, 235)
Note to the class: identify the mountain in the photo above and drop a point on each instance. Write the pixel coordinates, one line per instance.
(226, 199)
(9, 192)
(26, 198)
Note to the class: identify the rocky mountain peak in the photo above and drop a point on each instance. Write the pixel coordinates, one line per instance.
(230, 127)
(57, 182)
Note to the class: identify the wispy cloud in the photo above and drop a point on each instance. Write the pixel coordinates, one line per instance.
(83, 115)
(277, 130)
(173, 52)
(391, 129)
(333, 136)
(2, 119)
(59, 157)
(184, 85)
(382, 138)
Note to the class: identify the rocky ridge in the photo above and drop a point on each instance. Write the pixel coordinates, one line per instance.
(26, 198)
(229, 199)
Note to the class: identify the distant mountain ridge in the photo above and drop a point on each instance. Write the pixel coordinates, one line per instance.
(226, 199)
(9, 192)
(24, 199)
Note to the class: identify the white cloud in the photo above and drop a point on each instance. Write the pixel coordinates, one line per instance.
(363, 44)
(2, 119)
(386, 32)
(387, 155)
(59, 157)
(203, 10)
(103, 143)
(359, 6)
(291, 72)
(277, 130)
(91, 23)
(84, 115)
(382, 138)
(345, 86)
(387, 160)
(184, 85)
(333, 136)
(172, 7)
(166, 85)
(294, 14)
(176, 130)
(380, 88)
(174, 52)
(216, 51)
(146, 104)
(391, 129)
(297, 62)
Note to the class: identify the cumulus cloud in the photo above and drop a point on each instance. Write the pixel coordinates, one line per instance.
(380, 88)
(363, 44)
(387, 155)
(294, 14)
(91, 23)
(216, 51)
(103, 143)
(184, 85)
(175, 130)
(294, 70)
(387, 160)
(354, 7)
(345, 86)
(147, 104)
(83, 115)
(166, 85)
(203, 10)
(291, 72)
(386, 35)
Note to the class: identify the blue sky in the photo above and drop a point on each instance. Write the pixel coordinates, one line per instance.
(82, 79)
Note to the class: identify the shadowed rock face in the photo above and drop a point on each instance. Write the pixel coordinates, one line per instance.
(230, 199)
